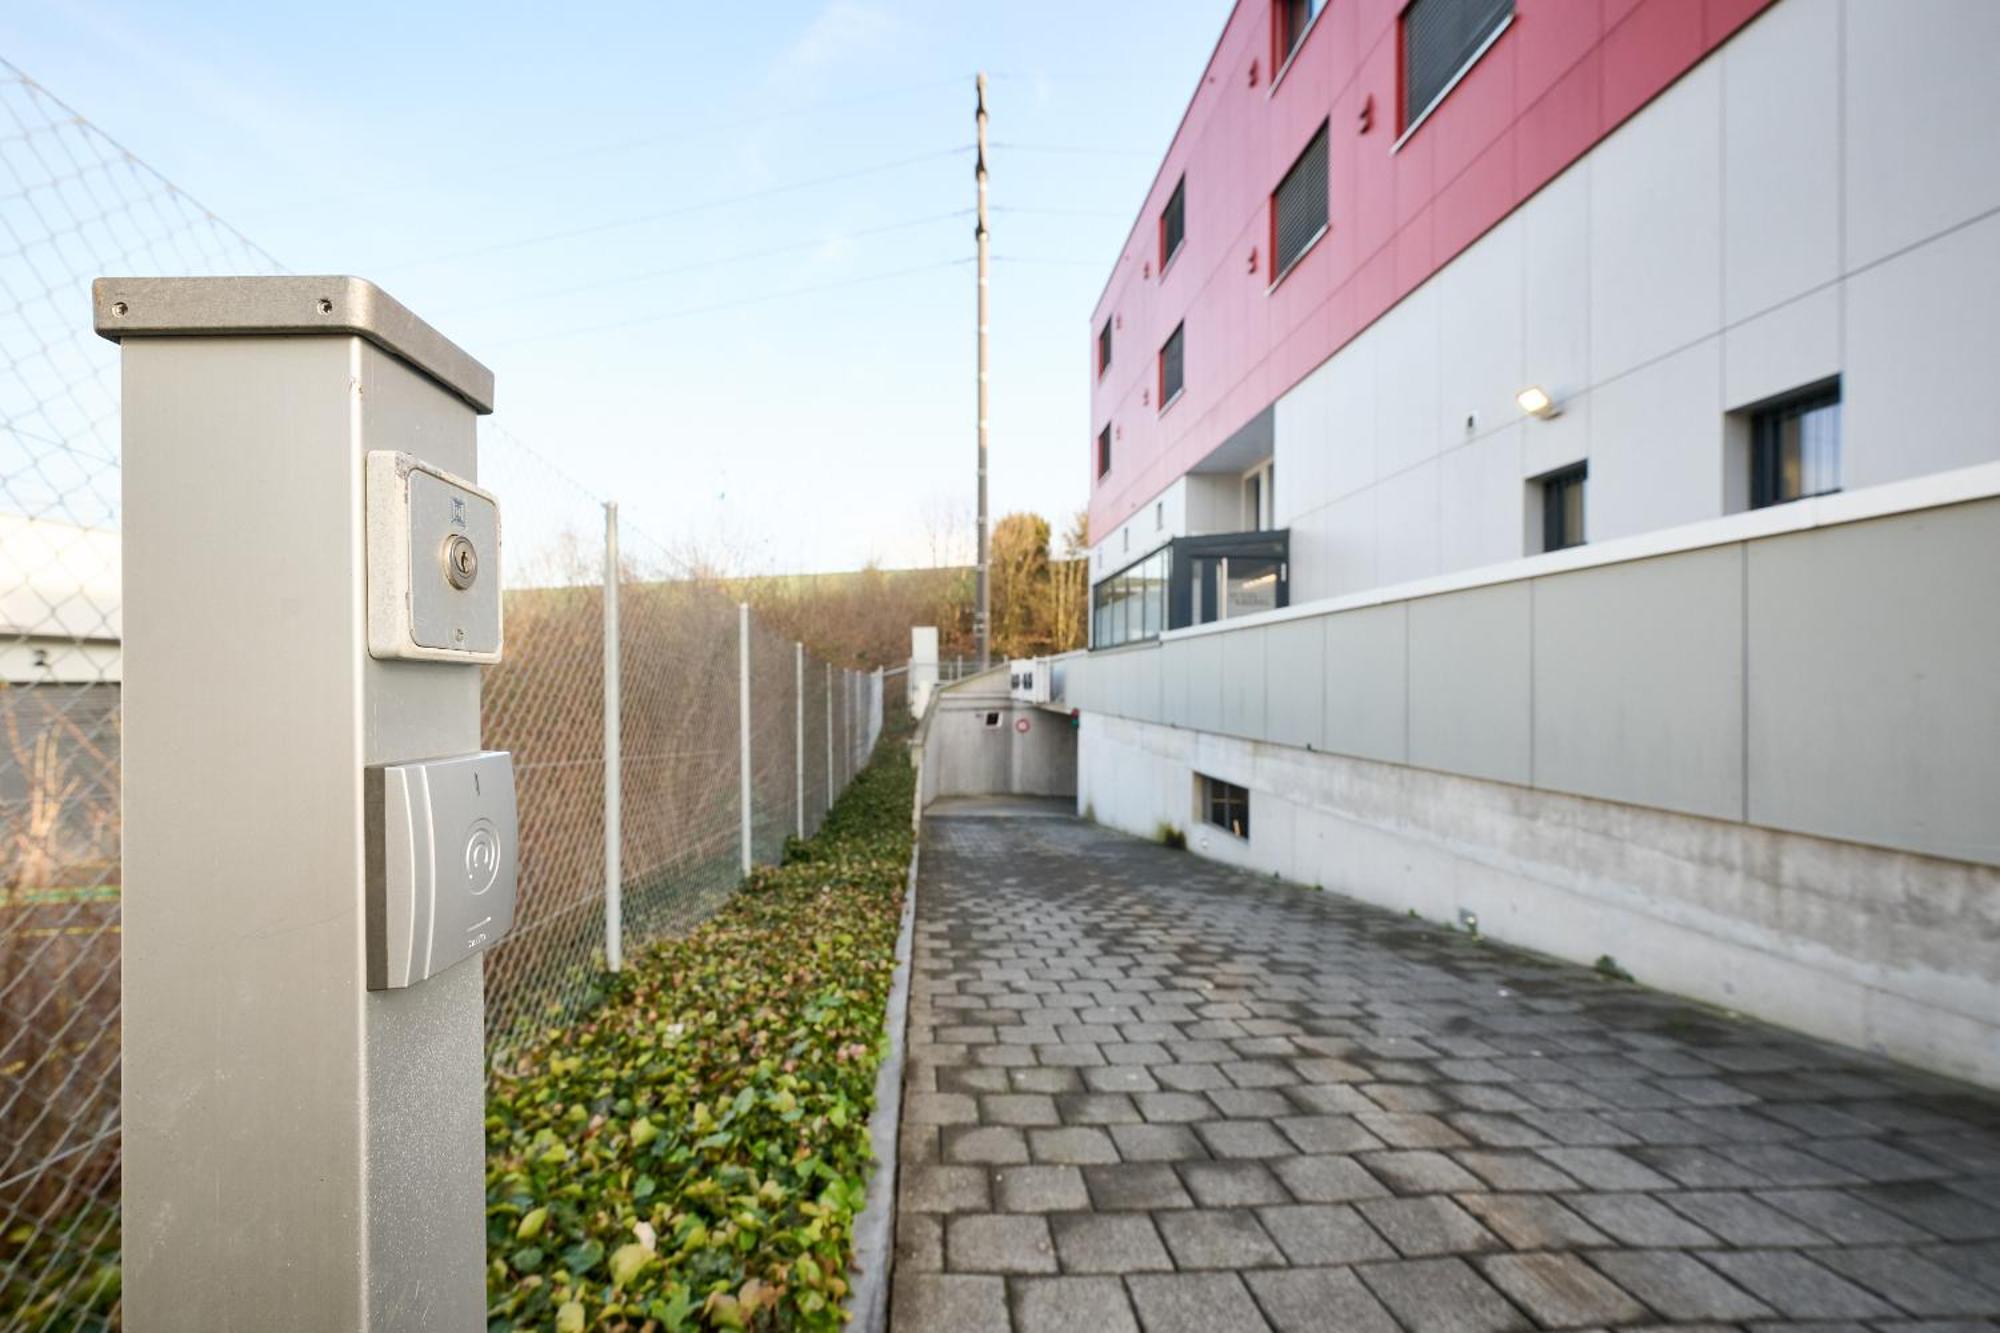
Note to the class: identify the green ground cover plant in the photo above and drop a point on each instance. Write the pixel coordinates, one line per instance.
(691, 1154)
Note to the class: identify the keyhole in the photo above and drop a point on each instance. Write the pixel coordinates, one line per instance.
(461, 561)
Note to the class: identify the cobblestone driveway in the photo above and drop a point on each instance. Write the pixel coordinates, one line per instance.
(1148, 1092)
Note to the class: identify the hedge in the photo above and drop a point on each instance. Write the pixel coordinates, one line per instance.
(692, 1153)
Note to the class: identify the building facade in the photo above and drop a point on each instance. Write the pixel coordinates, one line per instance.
(1542, 473)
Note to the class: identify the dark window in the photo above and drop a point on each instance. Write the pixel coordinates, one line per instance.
(1226, 805)
(1173, 224)
(1171, 369)
(1298, 206)
(1795, 447)
(1562, 507)
(1294, 17)
(1104, 451)
(1104, 348)
(1440, 39)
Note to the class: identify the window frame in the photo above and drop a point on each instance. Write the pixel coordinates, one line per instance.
(1550, 489)
(1283, 52)
(1104, 348)
(1322, 136)
(1411, 124)
(1178, 336)
(1228, 797)
(1175, 201)
(1766, 416)
(1104, 452)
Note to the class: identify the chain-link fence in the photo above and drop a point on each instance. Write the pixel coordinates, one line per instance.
(74, 205)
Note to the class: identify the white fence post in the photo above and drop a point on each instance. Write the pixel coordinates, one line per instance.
(799, 736)
(743, 720)
(614, 873)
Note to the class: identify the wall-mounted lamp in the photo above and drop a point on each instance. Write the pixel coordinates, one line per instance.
(1535, 401)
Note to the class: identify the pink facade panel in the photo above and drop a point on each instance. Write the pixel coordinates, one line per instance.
(1561, 76)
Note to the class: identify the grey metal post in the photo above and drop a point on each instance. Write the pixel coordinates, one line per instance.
(799, 736)
(299, 1152)
(831, 790)
(743, 720)
(614, 870)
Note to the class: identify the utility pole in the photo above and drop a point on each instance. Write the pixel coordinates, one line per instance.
(982, 614)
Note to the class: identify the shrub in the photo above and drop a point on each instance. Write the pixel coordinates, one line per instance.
(692, 1153)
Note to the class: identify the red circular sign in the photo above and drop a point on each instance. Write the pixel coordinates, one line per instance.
(1021, 724)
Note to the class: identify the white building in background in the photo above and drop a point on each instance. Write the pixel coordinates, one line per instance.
(1545, 473)
(60, 616)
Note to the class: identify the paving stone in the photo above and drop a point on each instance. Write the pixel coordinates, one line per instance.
(972, 1080)
(1513, 1170)
(1218, 1238)
(1039, 1189)
(998, 1144)
(1038, 1079)
(945, 1189)
(1313, 1300)
(1243, 1138)
(1232, 1184)
(1192, 1077)
(1250, 1103)
(1560, 1290)
(1194, 1303)
(1840, 1215)
(1677, 1285)
(1119, 1078)
(1410, 1129)
(1259, 1073)
(1097, 1108)
(1532, 1221)
(919, 1243)
(1322, 1233)
(1173, 1107)
(1135, 1186)
(1937, 1209)
(1071, 1305)
(998, 1243)
(1326, 1099)
(1440, 1296)
(1018, 1108)
(1108, 1243)
(1134, 1053)
(1640, 1220)
(1157, 1143)
(1422, 1227)
(924, 1301)
(1075, 1145)
(1405, 1097)
(1795, 1285)
(1419, 1172)
(1914, 1282)
(1605, 1169)
(1326, 1179)
(1327, 1133)
(1785, 1166)
(1741, 1220)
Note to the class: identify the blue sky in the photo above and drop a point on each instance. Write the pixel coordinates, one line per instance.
(718, 255)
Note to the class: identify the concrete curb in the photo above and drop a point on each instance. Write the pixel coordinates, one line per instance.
(873, 1263)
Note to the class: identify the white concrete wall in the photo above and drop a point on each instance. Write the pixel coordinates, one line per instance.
(1882, 950)
(1821, 196)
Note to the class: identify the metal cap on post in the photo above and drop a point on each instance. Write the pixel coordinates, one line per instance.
(302, 1151)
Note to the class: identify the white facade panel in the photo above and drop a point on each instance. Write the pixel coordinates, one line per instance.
(1406, 384)
(1479, 335)
(1655, 227)
(1407, 540)
(1777, 351)
(1781, 157)
(1656, 445)
(1482, 500)
(1922, 100)
(1555, 296)
(1923, 353)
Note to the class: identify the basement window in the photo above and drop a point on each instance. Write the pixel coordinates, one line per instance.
(992, 721)
(1225, 805)
(1795, 447)
(1562, 507)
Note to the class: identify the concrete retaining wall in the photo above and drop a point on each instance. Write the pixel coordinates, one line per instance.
(978, 742)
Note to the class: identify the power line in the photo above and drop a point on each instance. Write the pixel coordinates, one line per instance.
(1031, 210)
(1080, 149)
(735, 304)
(598, 228)
(627, 279)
